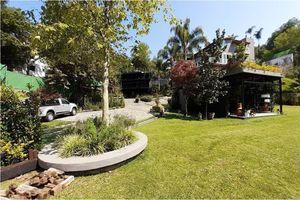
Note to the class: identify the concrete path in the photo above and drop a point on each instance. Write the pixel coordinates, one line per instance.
(138, 111)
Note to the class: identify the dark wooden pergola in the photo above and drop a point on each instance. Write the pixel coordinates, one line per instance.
(254, 89)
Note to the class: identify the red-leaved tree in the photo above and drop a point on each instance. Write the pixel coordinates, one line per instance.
(183, 76)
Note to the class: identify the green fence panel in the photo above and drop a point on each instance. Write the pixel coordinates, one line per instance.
(19, 81)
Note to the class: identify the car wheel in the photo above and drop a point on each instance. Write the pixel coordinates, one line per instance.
(49, 116)
(74, 111)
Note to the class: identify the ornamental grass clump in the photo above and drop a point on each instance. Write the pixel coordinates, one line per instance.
(92, 137)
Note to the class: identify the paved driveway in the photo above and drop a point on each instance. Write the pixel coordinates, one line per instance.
(138, 111)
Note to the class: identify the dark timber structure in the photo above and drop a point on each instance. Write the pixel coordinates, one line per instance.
(252, 90)
(135, 83)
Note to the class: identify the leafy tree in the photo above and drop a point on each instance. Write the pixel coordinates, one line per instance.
(140, 54)
(183, 76)
(210, 83)
(15, 32)
(89, 31)
(187, 41)
(239, 56)
(290, 23)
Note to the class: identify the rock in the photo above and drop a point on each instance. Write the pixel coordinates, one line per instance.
(2, 193)
(56, 189)
(4, 198)
(50, 185)
(17, 196)
(57, 171)
(44, 180)
(66, 182)
(12, 187)
(35, 181)
(43, 193)
(57, 181)
(27, 190)
(51, 179)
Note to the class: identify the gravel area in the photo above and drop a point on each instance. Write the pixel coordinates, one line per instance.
(138, 111)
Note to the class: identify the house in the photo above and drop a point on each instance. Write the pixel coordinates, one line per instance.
(253, 88)
(230, 44)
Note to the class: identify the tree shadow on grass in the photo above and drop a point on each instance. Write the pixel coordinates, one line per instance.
(171, 115)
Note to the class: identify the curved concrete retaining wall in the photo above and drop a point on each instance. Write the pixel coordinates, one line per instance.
(49, 157)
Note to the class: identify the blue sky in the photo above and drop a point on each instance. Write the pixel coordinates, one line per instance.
(233, 16)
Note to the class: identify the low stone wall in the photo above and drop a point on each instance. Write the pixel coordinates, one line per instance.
(49, 157)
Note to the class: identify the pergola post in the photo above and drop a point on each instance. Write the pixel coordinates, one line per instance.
(243, 97)
(280, 96)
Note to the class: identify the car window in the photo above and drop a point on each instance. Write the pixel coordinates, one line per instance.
(64, 101)
(51, 102)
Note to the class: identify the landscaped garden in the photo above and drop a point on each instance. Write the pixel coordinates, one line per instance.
(223, 158)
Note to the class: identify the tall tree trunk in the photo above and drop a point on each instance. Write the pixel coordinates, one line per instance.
(105, 100)
(186, 105)
(206, 110)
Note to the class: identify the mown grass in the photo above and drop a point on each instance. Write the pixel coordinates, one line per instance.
(52, 124)
(222, 158)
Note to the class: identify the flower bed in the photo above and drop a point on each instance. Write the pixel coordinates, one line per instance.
(49, 157)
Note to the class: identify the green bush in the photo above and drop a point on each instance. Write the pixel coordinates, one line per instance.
(116, 101)
(158, 109)
(12, 153)
(92, 137)
(88, 105)
(115, 137)
(123, 121)
(146, 98)
(20, 121)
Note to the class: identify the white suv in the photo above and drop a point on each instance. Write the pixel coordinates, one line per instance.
(54, 107)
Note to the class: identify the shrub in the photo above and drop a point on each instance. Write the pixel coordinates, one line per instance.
(20, 122)
(123, 121)
(88, 105)
(114, 137)
(92, 137)
(73, 145)
(116, 101)
(137, 99)
(158, 109)
(146, 98)
(11, 152)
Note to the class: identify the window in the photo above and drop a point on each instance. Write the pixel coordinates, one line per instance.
(32, 68)
(64, 101)
(52, 102)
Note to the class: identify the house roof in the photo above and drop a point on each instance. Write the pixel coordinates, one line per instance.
(239, 70)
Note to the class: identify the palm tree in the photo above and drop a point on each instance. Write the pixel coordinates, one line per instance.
(249, 31)
(257, 35)
(187, 41)
(169, 54)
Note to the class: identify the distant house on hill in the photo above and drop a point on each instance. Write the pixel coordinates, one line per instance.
(283, 59)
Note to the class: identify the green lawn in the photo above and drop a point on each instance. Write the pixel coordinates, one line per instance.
(222, 158)
(52, 124)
